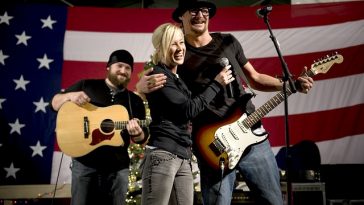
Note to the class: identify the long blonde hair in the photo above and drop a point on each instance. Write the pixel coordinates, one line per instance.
(162, 39)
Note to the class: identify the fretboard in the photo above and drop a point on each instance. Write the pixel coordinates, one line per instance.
(120, 125)
(269, 106)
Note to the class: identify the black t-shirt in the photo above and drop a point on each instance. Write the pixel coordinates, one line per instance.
(109, 158)
(200, 67)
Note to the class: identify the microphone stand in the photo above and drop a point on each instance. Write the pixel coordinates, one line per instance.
(286, 77)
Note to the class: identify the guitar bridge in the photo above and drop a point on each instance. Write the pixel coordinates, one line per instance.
(217, 147)
(86, 127)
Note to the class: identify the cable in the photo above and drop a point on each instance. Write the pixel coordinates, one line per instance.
(67, 3)
(222, 169)
(55, 186)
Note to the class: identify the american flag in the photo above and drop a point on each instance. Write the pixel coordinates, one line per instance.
(31, 58)
(331, 114)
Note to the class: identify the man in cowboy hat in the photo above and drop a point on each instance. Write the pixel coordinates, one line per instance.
(204, 51)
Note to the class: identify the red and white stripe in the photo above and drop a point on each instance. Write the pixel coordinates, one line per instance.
(331, 114)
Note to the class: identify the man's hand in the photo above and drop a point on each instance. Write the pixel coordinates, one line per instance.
(149, 83)
(78, 98)
(305, 84)
(135, 131)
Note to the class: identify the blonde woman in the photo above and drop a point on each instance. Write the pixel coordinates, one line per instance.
(166, 172)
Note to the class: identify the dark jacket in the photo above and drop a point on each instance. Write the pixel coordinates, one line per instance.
(172, 107)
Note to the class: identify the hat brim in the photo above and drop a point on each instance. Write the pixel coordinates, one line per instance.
(179, 11)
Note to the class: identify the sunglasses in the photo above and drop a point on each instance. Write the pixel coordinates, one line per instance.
(205, 11)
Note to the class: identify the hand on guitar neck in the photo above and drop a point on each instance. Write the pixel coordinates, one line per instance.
(225, 141)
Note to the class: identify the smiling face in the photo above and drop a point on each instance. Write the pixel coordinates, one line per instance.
(169, 44)
(195, 21)
(119, 74)
(176, 51)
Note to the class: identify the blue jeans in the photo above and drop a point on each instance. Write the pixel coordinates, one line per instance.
(260, 171)
(90, 186)
(167, 179)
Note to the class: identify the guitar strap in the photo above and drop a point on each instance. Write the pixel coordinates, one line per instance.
(131, 110)
(113, 92)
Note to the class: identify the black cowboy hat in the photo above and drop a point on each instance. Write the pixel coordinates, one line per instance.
(184, 5)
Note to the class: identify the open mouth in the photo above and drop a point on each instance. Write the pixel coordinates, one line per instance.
(194, 22)
(178, 56)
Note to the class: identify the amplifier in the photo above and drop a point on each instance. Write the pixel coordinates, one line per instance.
(239, 197)
(346, 201)
(306, 193)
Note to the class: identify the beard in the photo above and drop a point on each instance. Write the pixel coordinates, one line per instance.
(198, 30)
(117, 81)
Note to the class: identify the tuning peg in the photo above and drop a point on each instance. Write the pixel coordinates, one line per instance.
(336, 53)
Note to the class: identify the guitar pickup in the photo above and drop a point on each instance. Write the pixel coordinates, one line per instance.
(217, 147)
(233, 134)
(86, 127)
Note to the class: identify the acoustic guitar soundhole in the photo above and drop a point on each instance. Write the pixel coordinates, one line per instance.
(107, 126)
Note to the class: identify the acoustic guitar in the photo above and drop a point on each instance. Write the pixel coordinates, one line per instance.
(82, 129)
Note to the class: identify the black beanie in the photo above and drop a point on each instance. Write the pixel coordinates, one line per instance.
(121, 56)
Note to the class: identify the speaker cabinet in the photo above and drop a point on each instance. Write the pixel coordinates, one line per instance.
(306, 193)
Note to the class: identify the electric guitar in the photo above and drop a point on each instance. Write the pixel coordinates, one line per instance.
(221, 144)
(82, 129)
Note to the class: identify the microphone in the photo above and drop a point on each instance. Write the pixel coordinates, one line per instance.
(229, 89)
(262, 12)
